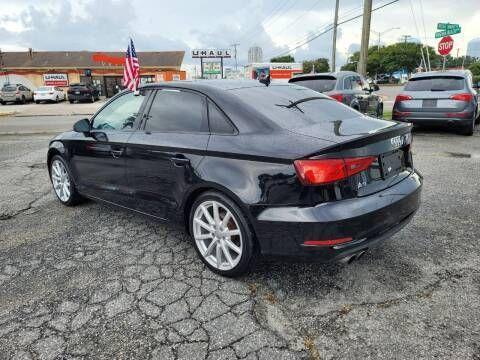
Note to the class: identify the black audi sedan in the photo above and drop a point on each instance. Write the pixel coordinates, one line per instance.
(248, 169)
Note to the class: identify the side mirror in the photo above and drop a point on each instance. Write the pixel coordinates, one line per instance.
(82, 126)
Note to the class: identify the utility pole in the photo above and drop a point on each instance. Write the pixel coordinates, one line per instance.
(405, 38)
(367, 17)
(334, 42)
(235, 54)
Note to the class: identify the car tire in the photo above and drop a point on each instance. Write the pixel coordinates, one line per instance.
(37, 102)
(56, 99)
(2, 102)
(24, 100)
(70, 101)
(469, 129)
(92, 100)
(477, 119)
(232, 253)
(62, 182)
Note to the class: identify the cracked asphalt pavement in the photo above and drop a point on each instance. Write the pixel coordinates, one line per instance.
(97, 282)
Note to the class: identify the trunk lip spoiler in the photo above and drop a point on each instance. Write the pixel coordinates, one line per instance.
(383, 134)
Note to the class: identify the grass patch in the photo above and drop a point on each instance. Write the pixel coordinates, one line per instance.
(387, 115)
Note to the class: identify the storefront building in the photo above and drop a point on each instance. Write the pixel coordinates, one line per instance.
(102, 69)
(276, 71)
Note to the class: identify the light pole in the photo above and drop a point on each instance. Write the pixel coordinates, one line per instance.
(380, 33)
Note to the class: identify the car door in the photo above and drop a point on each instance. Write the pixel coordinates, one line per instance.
(98, 158)
(164, 153)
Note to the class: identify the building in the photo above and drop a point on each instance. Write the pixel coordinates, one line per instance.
(102, 69)
(473, 48)
(255, 54)
(276, 71)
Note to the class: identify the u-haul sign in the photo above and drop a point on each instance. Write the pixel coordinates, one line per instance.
(55, 79)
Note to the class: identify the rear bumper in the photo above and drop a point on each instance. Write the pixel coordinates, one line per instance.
(79, 97)
(435, 119)
(44, 97)
(367, 220)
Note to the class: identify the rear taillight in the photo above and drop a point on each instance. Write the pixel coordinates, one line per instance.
(323, 171)
(402, 97)
(467, 97)
(50, 93)
(17, 93)
(338, 97)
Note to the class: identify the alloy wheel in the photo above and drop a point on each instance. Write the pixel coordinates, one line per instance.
(217, 235)
(60, 180)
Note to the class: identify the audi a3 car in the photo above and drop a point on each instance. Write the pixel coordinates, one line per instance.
(248, 169)
(347, 87)
(439, 98)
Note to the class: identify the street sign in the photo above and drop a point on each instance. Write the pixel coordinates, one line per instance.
(447, 29)
(212, 67)
(445, 45)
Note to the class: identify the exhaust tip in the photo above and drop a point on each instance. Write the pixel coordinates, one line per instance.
(351, 258)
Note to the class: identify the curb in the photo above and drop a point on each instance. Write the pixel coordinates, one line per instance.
(7, 113)
(72, 114)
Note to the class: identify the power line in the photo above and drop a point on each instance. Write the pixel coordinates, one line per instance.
(348, 12)
(330, 27)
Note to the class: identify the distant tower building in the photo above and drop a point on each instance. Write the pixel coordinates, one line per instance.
(255, 54)
(473, 48)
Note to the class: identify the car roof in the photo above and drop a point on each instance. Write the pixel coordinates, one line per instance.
(462, 73)
(334, 74)
(202, 85)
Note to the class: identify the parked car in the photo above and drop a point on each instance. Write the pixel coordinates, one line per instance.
(48, 93)
(440, 98)
(347, 87)
(386, 79)
(248, 169)
(17, 93)
(82, 92)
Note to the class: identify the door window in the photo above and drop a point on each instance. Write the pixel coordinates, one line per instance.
(120, 114)
(175, 110)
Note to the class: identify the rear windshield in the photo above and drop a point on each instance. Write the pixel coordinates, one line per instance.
(436, 83)
(44, 88)
(77, 85)
(320, 85)
(9, 88)
(271, 101)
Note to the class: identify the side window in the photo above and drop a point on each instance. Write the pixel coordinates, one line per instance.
(357, 83)
(347, 83)
(120, 114)
(219, 124)
(177, 111)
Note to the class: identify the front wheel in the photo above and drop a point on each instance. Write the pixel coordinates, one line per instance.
(62, 182)
(221, 234)
(92, 99)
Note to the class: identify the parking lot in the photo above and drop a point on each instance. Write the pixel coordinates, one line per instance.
(96, 282)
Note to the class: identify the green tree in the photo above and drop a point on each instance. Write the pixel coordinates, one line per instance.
(284, 59)
(475, 68)
(321, 65)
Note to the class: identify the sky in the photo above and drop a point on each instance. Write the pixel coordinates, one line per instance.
(275, 25)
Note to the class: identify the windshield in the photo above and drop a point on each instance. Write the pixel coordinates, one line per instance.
(44, 88)
(9, 88)
(436, 83)
(320, 85)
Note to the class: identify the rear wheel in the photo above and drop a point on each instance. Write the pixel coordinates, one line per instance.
(62, 182)
(56, 99)
(92, 99)
(70, 101)
(221, 234)
(37, 102)
(470, 128)
(24, 100)
(379, 112)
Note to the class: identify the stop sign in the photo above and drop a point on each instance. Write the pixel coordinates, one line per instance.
(445, 45)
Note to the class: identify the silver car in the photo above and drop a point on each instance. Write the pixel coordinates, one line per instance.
(15, 93)
(440, 98)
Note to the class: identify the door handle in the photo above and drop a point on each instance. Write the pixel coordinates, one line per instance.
(180, 160)
(116, 153)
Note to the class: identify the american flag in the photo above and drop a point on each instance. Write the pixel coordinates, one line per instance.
(131, 68)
